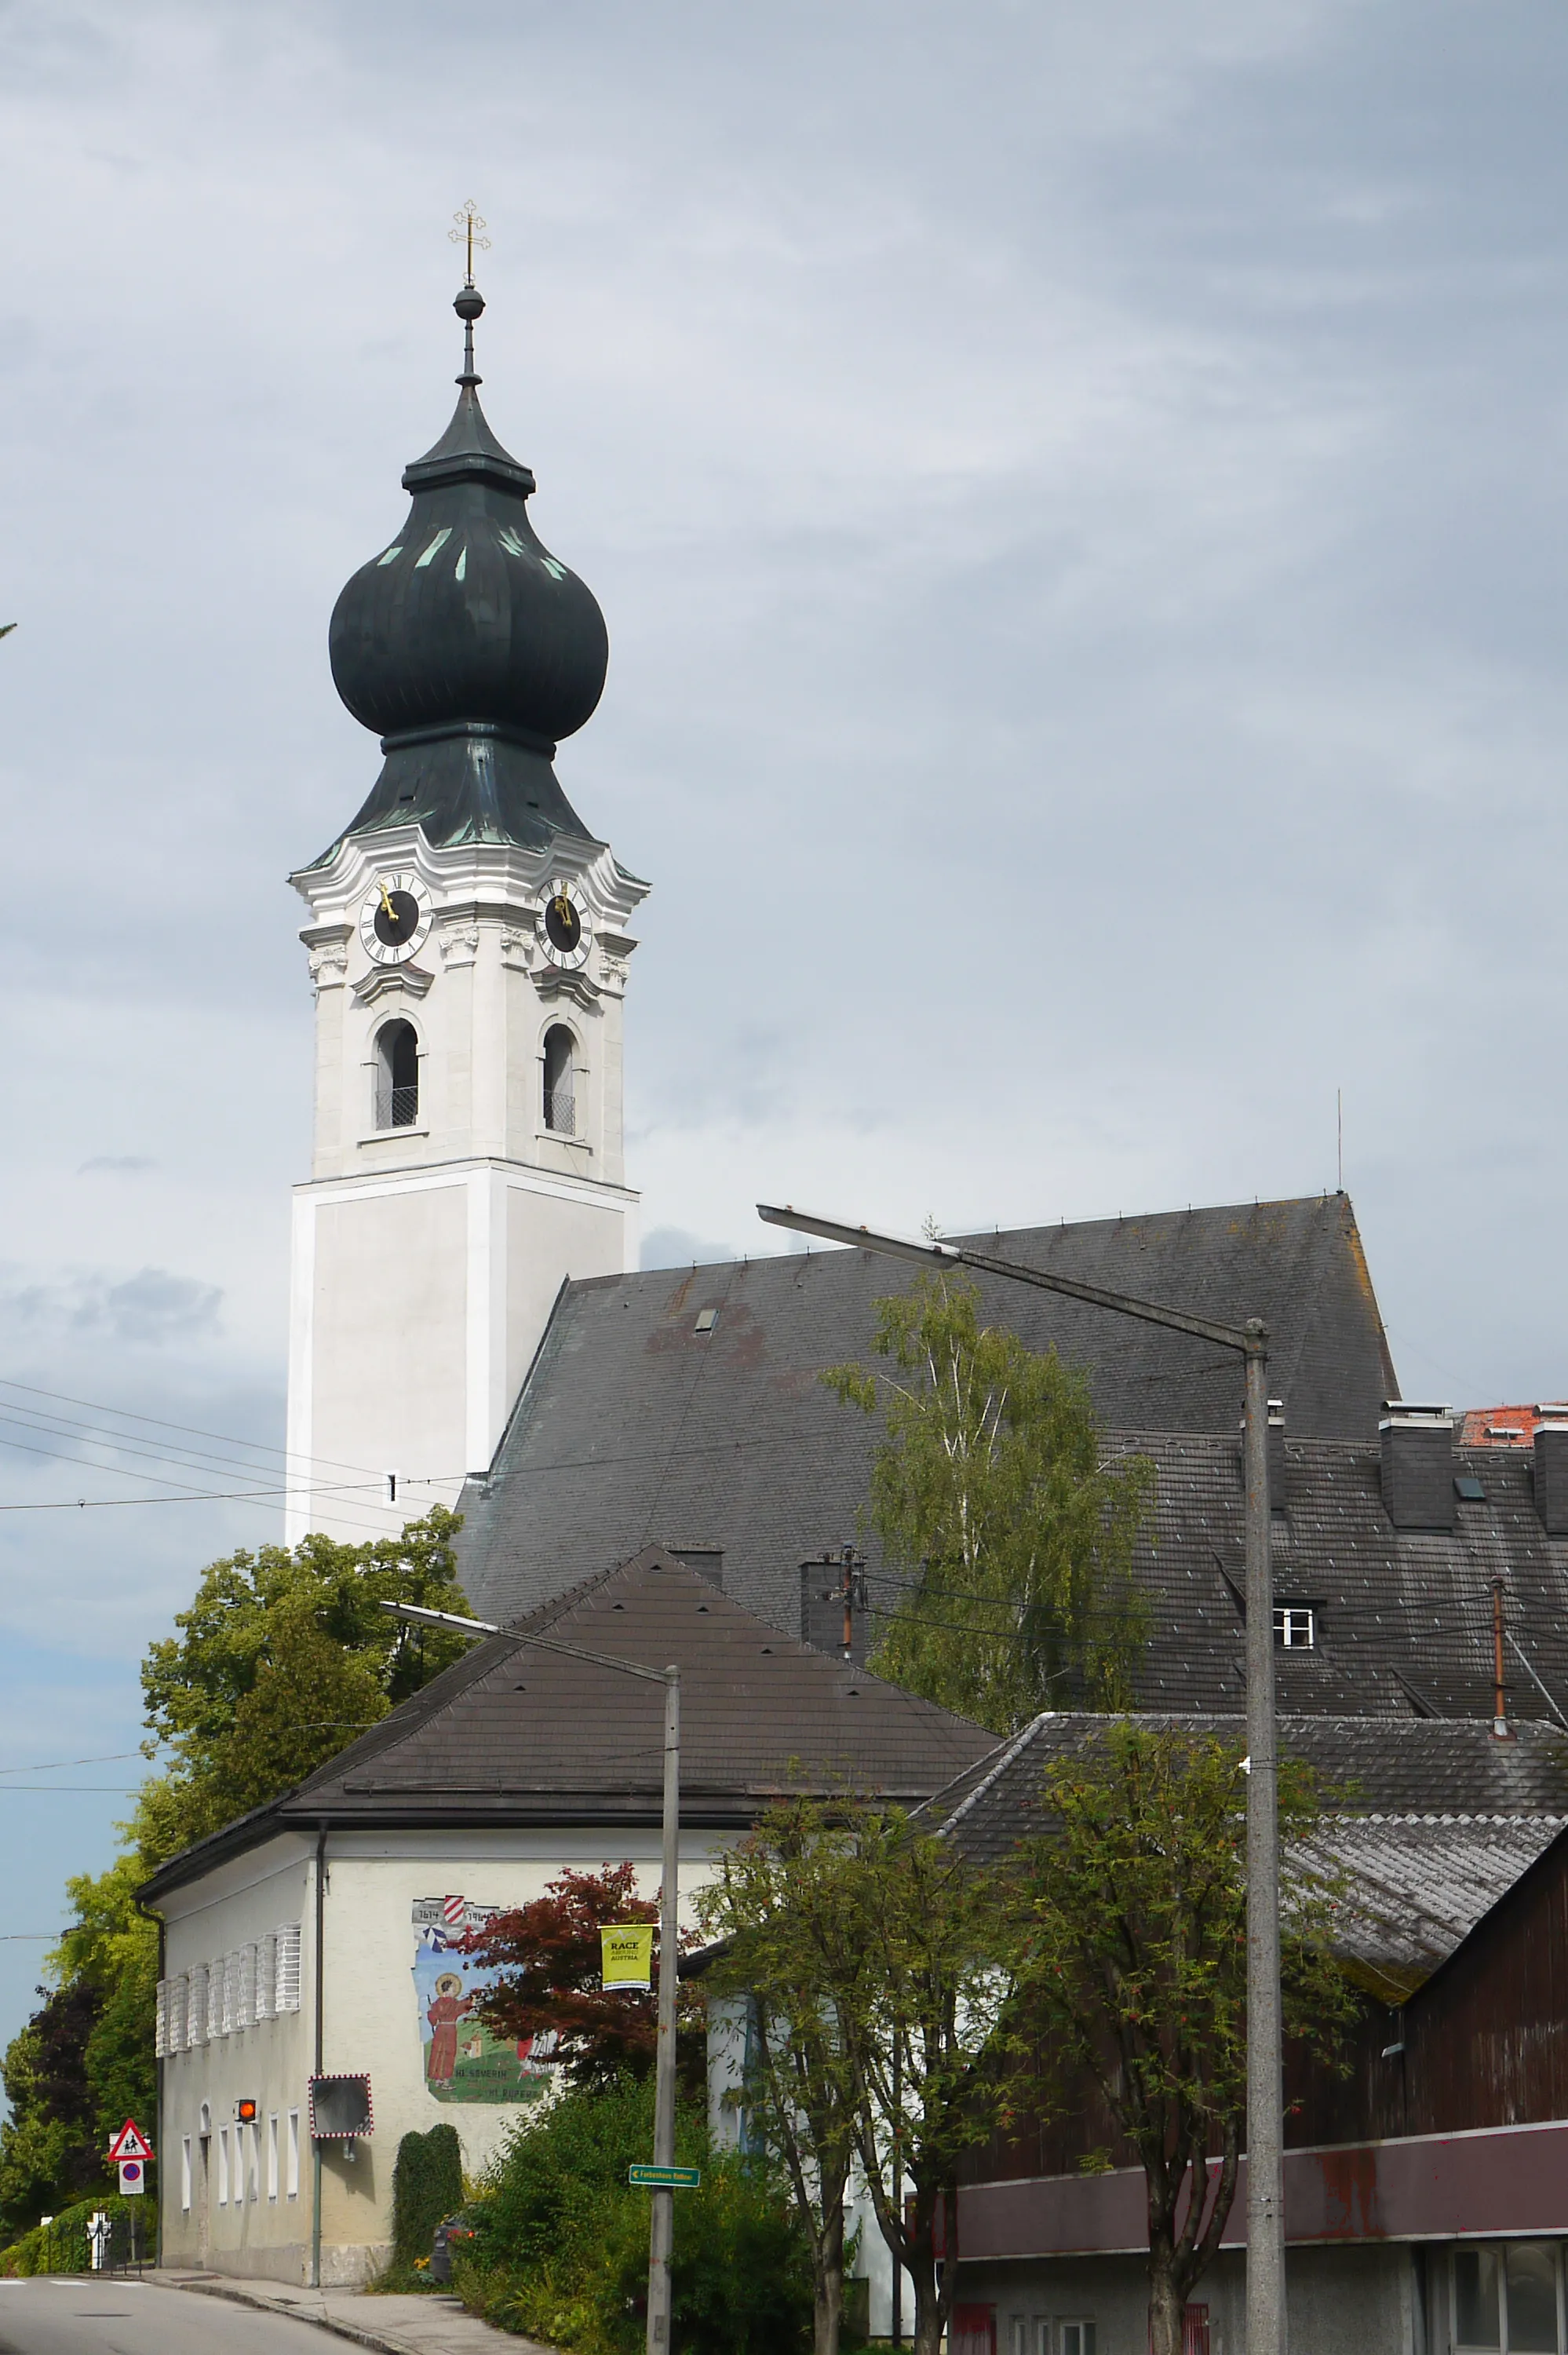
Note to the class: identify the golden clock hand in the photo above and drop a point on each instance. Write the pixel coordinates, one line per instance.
(391, 910)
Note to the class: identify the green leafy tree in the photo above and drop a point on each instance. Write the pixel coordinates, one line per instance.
(282, 1657)
(904, 1948)
(775, 1905)
(1134, 1969)
(992, 1497)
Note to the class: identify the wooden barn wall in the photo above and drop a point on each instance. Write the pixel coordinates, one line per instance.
(1486, 2044)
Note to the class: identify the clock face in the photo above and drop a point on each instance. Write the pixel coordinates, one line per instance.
(567, 933)
(394, 919)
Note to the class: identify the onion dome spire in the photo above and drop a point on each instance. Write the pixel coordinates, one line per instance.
(465, 644)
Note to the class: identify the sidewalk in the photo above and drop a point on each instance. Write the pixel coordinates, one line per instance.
(428, 2325)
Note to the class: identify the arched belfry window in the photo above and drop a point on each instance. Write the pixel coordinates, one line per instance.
(397, 1076)
(560, 1080)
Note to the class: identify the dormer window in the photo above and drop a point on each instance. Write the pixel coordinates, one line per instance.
(397, 1076)
(560, 1082)
(1296, 1627)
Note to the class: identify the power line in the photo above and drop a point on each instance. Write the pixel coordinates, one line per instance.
(225, 1438)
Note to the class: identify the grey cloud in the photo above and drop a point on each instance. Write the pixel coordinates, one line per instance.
(117, 1165)
(150, 1309)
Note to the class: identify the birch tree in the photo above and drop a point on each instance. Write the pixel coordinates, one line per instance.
(1006, 1527)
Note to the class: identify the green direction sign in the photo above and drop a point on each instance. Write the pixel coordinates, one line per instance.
(665, 2179)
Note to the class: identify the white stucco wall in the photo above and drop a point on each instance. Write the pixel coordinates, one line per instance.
(370, 2024)
(425, 1259)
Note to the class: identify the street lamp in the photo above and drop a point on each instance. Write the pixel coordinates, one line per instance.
(661, 2223)
(1266, 2320)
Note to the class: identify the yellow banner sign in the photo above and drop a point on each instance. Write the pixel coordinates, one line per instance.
(628, 1951)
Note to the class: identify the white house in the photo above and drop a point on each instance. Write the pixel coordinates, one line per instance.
(320, 1937)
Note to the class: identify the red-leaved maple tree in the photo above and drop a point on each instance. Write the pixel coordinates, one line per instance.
(550, 1981)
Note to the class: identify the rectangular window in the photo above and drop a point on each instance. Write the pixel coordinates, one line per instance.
(288, 1987)
(253, 2155)
(273, 2156)
(1476, 2319)
(223, 2166)
(1077, 2338)
(186, 2172)
(1018, 2335)
(293, 2178)
(1295, 1627)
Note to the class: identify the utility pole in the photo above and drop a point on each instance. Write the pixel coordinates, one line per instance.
(1266, 2320)
(661, 2221)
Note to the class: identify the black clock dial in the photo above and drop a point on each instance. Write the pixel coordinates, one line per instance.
(563, 925)
(396, 919)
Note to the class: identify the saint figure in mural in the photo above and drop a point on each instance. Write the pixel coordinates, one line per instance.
(446, 2007)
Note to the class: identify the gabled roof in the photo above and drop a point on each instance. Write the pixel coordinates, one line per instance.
(1381, 1768)
(634, 1425)
(1432, 1823)
(511, 1735)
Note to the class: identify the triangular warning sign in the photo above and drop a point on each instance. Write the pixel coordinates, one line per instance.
(130, 2143)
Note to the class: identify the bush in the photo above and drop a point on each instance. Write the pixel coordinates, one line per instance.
(63, 2249)
(426, 2186)
(560, 2250)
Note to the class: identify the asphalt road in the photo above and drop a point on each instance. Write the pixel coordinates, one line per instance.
(75, 2314)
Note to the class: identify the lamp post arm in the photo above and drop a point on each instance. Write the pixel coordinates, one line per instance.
(939, 1255)
(423, 1618)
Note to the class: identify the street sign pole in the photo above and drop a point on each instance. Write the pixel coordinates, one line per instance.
(1266, 2330)
(661, 2224)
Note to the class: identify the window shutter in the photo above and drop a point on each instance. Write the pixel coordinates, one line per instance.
(229, 1967)
(195, 2013)
(160, 2021)
(288, 1982)
(174, 2015)
(245, 1987)
(267, 1976)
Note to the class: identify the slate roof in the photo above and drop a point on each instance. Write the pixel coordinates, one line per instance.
(1383, 1770)
(633, 1427)
(1403, 1617)
(510, 1735)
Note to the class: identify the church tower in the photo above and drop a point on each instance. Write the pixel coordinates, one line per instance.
(467, 947)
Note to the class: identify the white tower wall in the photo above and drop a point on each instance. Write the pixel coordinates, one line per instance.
(425, 1256)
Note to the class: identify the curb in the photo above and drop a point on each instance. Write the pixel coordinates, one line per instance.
(382, 2339)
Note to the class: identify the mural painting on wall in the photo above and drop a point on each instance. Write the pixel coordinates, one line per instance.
(463, 2061)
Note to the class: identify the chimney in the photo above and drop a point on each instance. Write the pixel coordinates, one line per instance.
(707, 1561)
(1417, 1445)
(833, 1586)
(1551, 1472)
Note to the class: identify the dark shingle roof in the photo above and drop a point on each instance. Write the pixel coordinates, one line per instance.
(511, 1735)
(633, 1427)
(1404, 1617)
(1386, 1767)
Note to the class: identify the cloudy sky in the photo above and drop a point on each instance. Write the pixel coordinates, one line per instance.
(1077, 494)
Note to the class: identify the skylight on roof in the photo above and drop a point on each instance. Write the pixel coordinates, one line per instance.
(1468, 1490)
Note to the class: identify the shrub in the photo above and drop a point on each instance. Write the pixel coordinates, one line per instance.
(561, 2243)
(63, 2249)
(427, 2185)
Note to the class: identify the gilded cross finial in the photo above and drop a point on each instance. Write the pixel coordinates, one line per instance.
(470, 226)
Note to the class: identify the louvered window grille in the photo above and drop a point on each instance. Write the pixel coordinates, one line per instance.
(245, 1997)
(161, 2021)
(288, 1980)
(267, 1976)
(195, 2013)
(229, 1967)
